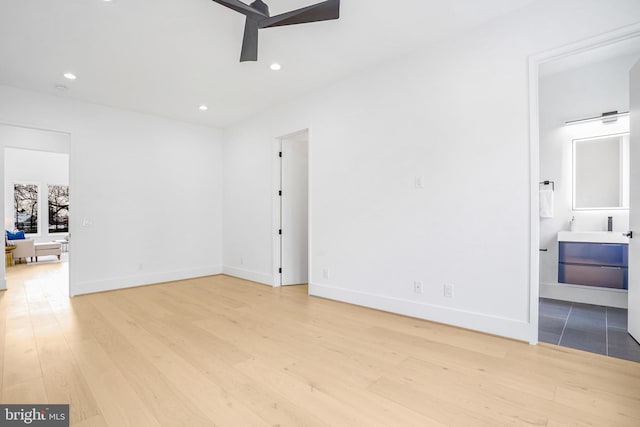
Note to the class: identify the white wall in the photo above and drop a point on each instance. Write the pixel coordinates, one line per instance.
(573, 94)
(35, 167)
(147, 188)
(456, 114)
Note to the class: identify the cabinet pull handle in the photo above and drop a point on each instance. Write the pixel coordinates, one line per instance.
(611, 268)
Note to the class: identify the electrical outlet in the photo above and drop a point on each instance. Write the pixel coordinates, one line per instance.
(326, 273)
(418, 287)
(448, 290)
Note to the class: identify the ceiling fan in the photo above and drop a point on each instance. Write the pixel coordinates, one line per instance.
(257, 17)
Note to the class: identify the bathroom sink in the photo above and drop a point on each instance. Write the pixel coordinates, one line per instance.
(593, 236)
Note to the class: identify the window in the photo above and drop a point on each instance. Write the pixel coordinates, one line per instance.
(25, 203)
(58, 209)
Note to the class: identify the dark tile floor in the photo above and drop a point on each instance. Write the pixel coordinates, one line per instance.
(587, 327)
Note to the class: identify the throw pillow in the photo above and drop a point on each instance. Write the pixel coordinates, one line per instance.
(18, 235)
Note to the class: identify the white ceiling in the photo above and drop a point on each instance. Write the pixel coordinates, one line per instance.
(167, 57)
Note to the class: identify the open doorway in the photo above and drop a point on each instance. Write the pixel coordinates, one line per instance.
(293, 219)
(583, 184)
(36, 211)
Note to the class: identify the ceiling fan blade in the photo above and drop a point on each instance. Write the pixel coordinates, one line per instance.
(250, 41)
(324, 11)
(243, 8)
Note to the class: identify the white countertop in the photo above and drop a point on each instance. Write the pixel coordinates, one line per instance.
(593, 236)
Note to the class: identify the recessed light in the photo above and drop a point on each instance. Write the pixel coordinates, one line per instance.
(275, 66)
(70, 76)
(203, 108)
(61, 87)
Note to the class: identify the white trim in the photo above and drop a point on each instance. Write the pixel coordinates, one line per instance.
(34, 127)
(276, 281)
(3, 284)
(605, 39)
(621, 34)
(309, 210)
(534, 228)
(112, 284)
(511, 328)
(253, 276)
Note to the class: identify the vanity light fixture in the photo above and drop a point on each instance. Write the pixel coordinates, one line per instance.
(70, 76)
(608, 117)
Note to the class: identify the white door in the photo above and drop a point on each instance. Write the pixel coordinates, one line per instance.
(634, 205)
(294, 211)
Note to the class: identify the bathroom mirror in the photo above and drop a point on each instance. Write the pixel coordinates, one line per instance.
(601, 172)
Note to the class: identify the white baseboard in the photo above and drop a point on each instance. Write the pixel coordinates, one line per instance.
(248, 275)
(482, 322)
(88, 287)
(584, 294)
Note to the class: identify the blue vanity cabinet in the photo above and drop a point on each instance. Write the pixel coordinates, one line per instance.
(593, 264)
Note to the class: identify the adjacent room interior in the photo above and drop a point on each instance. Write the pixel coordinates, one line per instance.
(376, 216)
(584, 175)
(36, 201)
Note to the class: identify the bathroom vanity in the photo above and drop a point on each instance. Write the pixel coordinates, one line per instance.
(593, 258)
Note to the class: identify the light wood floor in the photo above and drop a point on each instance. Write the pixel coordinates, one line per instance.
(226, 352)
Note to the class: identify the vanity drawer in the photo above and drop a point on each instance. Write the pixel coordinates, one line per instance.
(606, 254)
(593, 275)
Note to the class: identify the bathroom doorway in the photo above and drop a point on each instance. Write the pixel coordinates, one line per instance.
(581, 82)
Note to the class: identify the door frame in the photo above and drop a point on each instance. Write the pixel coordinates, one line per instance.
(276, 210)
(3, 147)
(605, 39)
